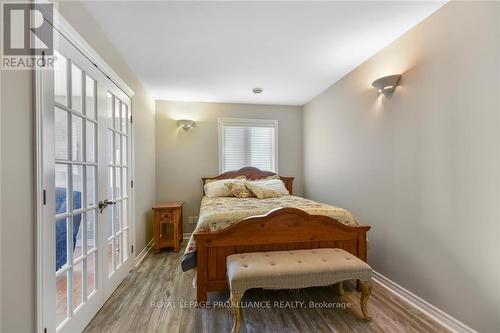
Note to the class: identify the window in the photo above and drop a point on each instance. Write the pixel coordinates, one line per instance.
(248, 142)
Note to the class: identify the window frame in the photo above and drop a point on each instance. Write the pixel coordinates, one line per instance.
(244, 122)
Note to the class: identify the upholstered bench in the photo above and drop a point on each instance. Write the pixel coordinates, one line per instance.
(292, 270)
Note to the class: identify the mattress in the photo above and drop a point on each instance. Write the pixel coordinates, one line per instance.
(219, 213)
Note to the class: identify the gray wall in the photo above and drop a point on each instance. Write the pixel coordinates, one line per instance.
(422, 166)
(183, 157)
(17, 238)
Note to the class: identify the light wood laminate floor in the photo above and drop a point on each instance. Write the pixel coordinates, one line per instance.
(155, 297)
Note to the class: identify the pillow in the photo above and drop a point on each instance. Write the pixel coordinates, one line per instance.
(216, 188)
(270, 177)
(239, 189)
(228, 179)
(276, 184)
(263, 191)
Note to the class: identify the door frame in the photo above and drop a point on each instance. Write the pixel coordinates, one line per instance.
(40, 103)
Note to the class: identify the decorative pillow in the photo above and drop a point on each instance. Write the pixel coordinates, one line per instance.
(216, 188)
(263, 191)
(239, 189)
(276, 184)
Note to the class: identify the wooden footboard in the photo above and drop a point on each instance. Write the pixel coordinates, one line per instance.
(280, 229)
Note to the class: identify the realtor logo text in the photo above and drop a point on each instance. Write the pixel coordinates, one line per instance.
(28, 37)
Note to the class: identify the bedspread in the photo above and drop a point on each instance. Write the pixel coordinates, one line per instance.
(221, 212)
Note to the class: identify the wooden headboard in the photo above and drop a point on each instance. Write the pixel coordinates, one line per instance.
(253, 174)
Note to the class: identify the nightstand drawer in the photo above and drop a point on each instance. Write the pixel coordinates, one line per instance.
(166, 216)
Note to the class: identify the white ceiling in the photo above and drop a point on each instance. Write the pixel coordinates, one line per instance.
(219, 51)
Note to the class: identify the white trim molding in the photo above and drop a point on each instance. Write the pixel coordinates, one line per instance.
(142, 255)
(60, 24)
(422, 305)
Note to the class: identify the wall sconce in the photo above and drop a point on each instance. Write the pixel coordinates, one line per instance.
(385, 85)
(185, 123)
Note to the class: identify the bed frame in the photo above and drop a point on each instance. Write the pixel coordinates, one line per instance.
(280, 229)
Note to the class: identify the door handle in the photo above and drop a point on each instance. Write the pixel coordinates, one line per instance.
(104, 204)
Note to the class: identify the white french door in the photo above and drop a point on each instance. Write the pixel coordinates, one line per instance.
(86, 180)
(116, 134)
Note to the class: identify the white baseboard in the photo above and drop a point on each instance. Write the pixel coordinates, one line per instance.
(439, 315)
(140, 257)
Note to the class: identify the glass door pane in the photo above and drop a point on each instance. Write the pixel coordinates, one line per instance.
(118, 181)
(75, 217)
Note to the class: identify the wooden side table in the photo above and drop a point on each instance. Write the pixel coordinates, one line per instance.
(168, 225)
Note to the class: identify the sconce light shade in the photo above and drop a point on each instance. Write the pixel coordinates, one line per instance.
(185, 123)
(385, 85)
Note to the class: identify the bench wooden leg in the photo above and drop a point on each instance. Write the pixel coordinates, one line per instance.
(341, 288)
(366, 290)
(235, 309)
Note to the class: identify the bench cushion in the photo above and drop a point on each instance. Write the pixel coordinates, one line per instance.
(293, 269)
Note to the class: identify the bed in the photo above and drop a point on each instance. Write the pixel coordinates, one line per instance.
(285, 223)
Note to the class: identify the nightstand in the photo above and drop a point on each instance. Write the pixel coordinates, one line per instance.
(168, 225)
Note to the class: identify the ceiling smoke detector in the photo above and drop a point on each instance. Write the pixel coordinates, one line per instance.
(257, 91)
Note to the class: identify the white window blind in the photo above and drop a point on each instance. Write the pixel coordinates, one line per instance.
(248, 142)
